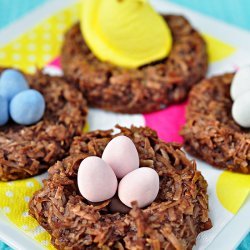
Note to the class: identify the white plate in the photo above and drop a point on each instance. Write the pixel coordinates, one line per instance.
(14, 237)
(231, 235)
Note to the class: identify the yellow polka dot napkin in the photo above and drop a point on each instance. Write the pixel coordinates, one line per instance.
(15, 196)
(38, 46)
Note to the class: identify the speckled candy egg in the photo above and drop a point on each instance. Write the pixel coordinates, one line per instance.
(96, 179)
(141, 185)
(240, 83)
(241, 110)
(12, 82)
(121, 154)
(27, 107)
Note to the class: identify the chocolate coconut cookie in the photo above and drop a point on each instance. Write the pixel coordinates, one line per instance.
(28, 150)
(211, 132)
(173, 221)
(145, 89)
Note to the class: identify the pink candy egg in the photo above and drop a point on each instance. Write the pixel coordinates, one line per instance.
(121, 154)
(96, 179)
(141, 185)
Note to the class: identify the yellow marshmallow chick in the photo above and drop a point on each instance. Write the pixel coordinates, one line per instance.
(126, 33)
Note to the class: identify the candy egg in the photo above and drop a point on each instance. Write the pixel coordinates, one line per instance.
(27, 107)
(12, 82)
(4, 111)
(141, 185)
(240, 110)
(121, 154)
(96, 179)
(116, 205)
(240, 83)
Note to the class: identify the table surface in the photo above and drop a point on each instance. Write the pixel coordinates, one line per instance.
(234, 12)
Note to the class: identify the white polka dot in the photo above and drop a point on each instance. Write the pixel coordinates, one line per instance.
(60, 17)
(31, 47)
(30, 184)
(27, 198)
(45, 243)
(75, 12)
(61, 26)
(38, 230)
(16, 46)
(25, 214)
(32, 36)
(25, 227)
(46, 47)
(9, 193)
(73, 19)
(16, 57)
(46, 57)
(46, 36)
(6, 210)
(2, 55)
(10, 183)
(16, 65)
(31, 68)
(31, 58)
(59, 38)
(46, 26)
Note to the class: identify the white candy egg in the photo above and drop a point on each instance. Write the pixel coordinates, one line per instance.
(240, 83)
(141, 185)
(241, 110)
(121, 154)
(96, 179)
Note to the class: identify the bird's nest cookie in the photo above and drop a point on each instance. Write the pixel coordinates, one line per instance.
(211, 132)
(172, 221)
(28, 150)
(145, 89)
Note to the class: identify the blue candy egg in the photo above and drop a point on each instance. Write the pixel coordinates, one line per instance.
(4, 111)
(27, 107)
(12, 82)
